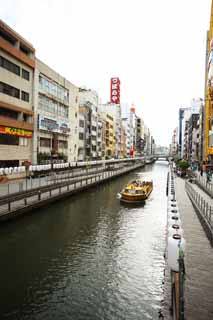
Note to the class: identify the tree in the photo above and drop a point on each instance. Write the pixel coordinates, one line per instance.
(183, 164)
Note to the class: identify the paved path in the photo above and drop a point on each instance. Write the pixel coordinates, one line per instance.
(28, 184)
(198, 259)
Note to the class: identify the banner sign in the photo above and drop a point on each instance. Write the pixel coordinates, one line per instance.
(16, 132)
(52, 125)
(115, 90)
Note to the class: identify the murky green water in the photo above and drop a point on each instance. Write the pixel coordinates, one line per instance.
(87, 257)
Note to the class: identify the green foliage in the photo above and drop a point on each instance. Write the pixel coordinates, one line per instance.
(43, 156)
(183, 164)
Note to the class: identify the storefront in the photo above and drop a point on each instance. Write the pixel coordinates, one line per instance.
(11, 137)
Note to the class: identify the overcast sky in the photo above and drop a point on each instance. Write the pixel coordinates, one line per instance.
(156, 48)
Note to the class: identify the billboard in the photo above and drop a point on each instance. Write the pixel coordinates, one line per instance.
(115, 90)
(57, 126)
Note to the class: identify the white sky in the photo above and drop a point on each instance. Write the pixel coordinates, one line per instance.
(155, 47)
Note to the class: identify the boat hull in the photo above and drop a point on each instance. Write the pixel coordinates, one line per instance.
(138, 196)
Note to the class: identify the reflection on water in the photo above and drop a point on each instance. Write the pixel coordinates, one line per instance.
(87, 257)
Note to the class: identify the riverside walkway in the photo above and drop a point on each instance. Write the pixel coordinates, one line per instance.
(198, 257)
(16, 204)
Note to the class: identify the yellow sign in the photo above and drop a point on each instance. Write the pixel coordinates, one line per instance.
(16, 132)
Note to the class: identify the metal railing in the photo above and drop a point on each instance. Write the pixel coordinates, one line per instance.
(19, 201)
(205, 185)
(30, 183)
(205, 210)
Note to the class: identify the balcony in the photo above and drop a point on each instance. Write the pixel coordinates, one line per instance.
(9, 122)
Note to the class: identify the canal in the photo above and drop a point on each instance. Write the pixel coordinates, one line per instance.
(87, 257)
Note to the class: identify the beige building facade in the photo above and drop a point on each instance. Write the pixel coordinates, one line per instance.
(56, 117)
(17, 65)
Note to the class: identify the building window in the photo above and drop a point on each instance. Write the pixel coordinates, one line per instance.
(62, 144)
(81, 123)
(25, 74)
(52, 106)
(9, 140)
(4, 112)
(81, 136)
(62, 110)
(23, 141)
(9, 90)
(10, 66)
(25, 96)
(6, 36)
(53, 88)
(44, 142)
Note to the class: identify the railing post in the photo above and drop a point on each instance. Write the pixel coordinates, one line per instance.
(210, 216)
(207, 207)
(9, 205)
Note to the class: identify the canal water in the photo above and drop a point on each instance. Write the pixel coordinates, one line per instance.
(87, 257)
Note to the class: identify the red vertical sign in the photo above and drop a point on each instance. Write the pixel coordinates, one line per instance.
(115, 90)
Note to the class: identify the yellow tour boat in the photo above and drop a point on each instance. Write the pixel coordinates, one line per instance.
(136, 191)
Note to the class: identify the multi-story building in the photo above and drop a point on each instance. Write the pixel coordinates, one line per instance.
(195, 144)
(186, 141)
(110, 136)
(115, 111)
(132, 117)
(201, 150)
(56, 116)
(174, 144)
(103, 137)
(208, 110)
(147, 147)
(193, 130)
(82, 135)
(88, 104)
(126, 128)
(153, 147)
(123, 143)
(184, 115)
(140, 141)
(17, 65)
(180, 136)
(99, 137)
